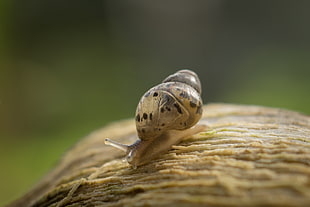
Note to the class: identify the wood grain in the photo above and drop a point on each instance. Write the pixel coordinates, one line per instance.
(249, 156)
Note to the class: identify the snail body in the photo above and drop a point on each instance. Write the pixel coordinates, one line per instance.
(164, 116)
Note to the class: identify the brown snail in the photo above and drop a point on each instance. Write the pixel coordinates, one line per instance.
(165, 115)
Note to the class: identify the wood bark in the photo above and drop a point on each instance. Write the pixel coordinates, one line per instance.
(249, 156)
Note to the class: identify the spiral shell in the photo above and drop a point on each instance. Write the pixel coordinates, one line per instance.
(174, 104)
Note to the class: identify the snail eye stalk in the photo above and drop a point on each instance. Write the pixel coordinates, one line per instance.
(117, 145)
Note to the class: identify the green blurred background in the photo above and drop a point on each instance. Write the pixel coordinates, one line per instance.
(70, 67)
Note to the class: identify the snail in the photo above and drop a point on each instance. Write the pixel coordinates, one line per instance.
(165, 115)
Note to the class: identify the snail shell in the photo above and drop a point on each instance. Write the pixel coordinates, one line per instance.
(165, 115)
(174, 104)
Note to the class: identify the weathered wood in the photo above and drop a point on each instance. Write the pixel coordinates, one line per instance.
(250, 156)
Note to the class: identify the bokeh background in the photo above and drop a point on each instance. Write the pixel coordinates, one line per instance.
(70, 67)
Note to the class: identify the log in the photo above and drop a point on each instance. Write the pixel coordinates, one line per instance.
(249, 156)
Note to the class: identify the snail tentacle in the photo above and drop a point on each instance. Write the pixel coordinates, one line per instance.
(117, 145)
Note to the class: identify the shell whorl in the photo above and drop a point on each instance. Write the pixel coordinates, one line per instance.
(185, 76)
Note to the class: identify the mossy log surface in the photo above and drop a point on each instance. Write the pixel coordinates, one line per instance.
(249, 156)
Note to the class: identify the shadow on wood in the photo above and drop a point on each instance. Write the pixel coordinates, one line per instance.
(250, 156)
